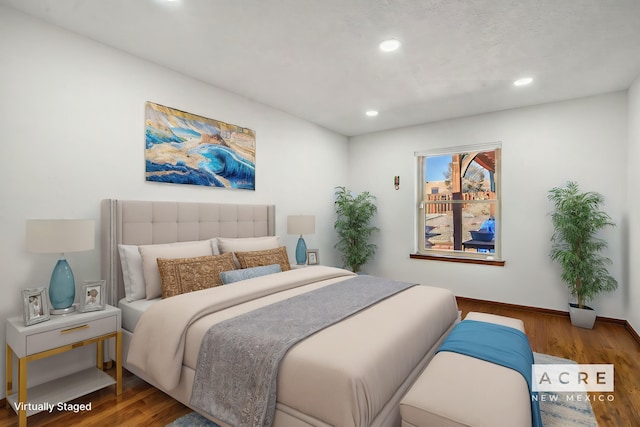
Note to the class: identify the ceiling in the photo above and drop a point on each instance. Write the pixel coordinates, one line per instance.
(319, 59)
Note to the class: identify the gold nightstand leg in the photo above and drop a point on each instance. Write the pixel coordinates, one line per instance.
(9, 376)
(119, 363)
(100, 354)
(22, 391)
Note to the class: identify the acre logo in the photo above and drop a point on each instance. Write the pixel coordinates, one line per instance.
(572, 378)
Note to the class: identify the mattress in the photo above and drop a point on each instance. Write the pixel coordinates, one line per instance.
(133, 310)
(350, 374)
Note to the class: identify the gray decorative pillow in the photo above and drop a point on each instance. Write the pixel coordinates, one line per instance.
(248, 273)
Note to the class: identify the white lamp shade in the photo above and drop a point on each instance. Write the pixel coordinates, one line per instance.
(301, 224)
(60, 235)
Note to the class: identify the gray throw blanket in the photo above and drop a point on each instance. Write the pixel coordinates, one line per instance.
(237, 368)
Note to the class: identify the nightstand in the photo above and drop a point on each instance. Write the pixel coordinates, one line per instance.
(55, 336)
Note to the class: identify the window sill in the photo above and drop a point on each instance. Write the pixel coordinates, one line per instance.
(498, 263)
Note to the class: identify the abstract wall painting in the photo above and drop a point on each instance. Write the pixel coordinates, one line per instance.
(183, 148)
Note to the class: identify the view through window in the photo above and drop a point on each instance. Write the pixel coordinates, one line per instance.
(459, 209)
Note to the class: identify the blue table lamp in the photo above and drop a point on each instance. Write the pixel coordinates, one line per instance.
(301, 224)
(61, 236)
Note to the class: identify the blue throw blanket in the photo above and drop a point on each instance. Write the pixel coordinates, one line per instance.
(497, 344)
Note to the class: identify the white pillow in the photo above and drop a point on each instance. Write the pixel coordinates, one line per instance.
(214, 246)
(131, 261)
(150, 254)
(248, 244)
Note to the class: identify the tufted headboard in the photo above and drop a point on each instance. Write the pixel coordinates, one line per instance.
(134, 222)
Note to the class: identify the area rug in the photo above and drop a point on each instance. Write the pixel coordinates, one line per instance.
(192, 419)
(563, 412)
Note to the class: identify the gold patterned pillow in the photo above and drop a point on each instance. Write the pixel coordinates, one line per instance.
(265, 257)
(182, 275)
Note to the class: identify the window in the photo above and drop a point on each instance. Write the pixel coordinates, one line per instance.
(459, 202)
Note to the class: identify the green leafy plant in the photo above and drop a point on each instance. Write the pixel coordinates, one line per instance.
(354, 214)
(576, 221)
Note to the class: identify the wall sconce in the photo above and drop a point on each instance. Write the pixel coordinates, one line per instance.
(396, 182)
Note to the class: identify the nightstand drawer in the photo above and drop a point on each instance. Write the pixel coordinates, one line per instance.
(70, 334)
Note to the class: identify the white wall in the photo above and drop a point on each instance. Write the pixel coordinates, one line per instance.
(72, 133)
(542, 147)
(632, 294)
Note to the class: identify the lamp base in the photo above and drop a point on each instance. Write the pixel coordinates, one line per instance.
(62, 288)
(61, 311)
(301, 252)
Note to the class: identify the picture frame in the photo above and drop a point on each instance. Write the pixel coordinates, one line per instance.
(36, 305)
(208, 138)
(313, 257)
(92, 297)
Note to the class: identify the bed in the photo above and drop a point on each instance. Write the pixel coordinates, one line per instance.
(352, 373)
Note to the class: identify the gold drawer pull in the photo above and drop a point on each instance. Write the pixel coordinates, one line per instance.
(77, 328)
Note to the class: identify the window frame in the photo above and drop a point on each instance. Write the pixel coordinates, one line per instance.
(421, 251)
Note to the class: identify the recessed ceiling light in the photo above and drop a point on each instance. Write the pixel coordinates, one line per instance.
(371, 113)
(523, 81)
(389, 45)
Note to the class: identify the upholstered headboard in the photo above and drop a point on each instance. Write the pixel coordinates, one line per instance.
(132, 222)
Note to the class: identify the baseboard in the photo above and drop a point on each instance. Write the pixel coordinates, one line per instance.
(632, 331)
(541, 310)
(516, 306)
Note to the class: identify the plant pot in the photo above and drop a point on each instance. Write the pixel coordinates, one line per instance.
(582, 317)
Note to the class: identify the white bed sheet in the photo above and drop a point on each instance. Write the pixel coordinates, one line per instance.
(133, 310)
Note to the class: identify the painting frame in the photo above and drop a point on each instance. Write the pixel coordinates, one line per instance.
(186, 148)
(36, 305)
(92, 297)
(313, 256)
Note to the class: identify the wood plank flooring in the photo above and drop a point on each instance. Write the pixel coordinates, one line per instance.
(143, 405)
(605, 343)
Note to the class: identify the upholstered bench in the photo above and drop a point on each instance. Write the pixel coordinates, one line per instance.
(458, 390)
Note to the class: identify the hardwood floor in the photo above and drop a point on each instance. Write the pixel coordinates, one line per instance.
(143, 405)
(138, 405)
(605, 343)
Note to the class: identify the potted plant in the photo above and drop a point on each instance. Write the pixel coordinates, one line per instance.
(354, 214)
(576, 221)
